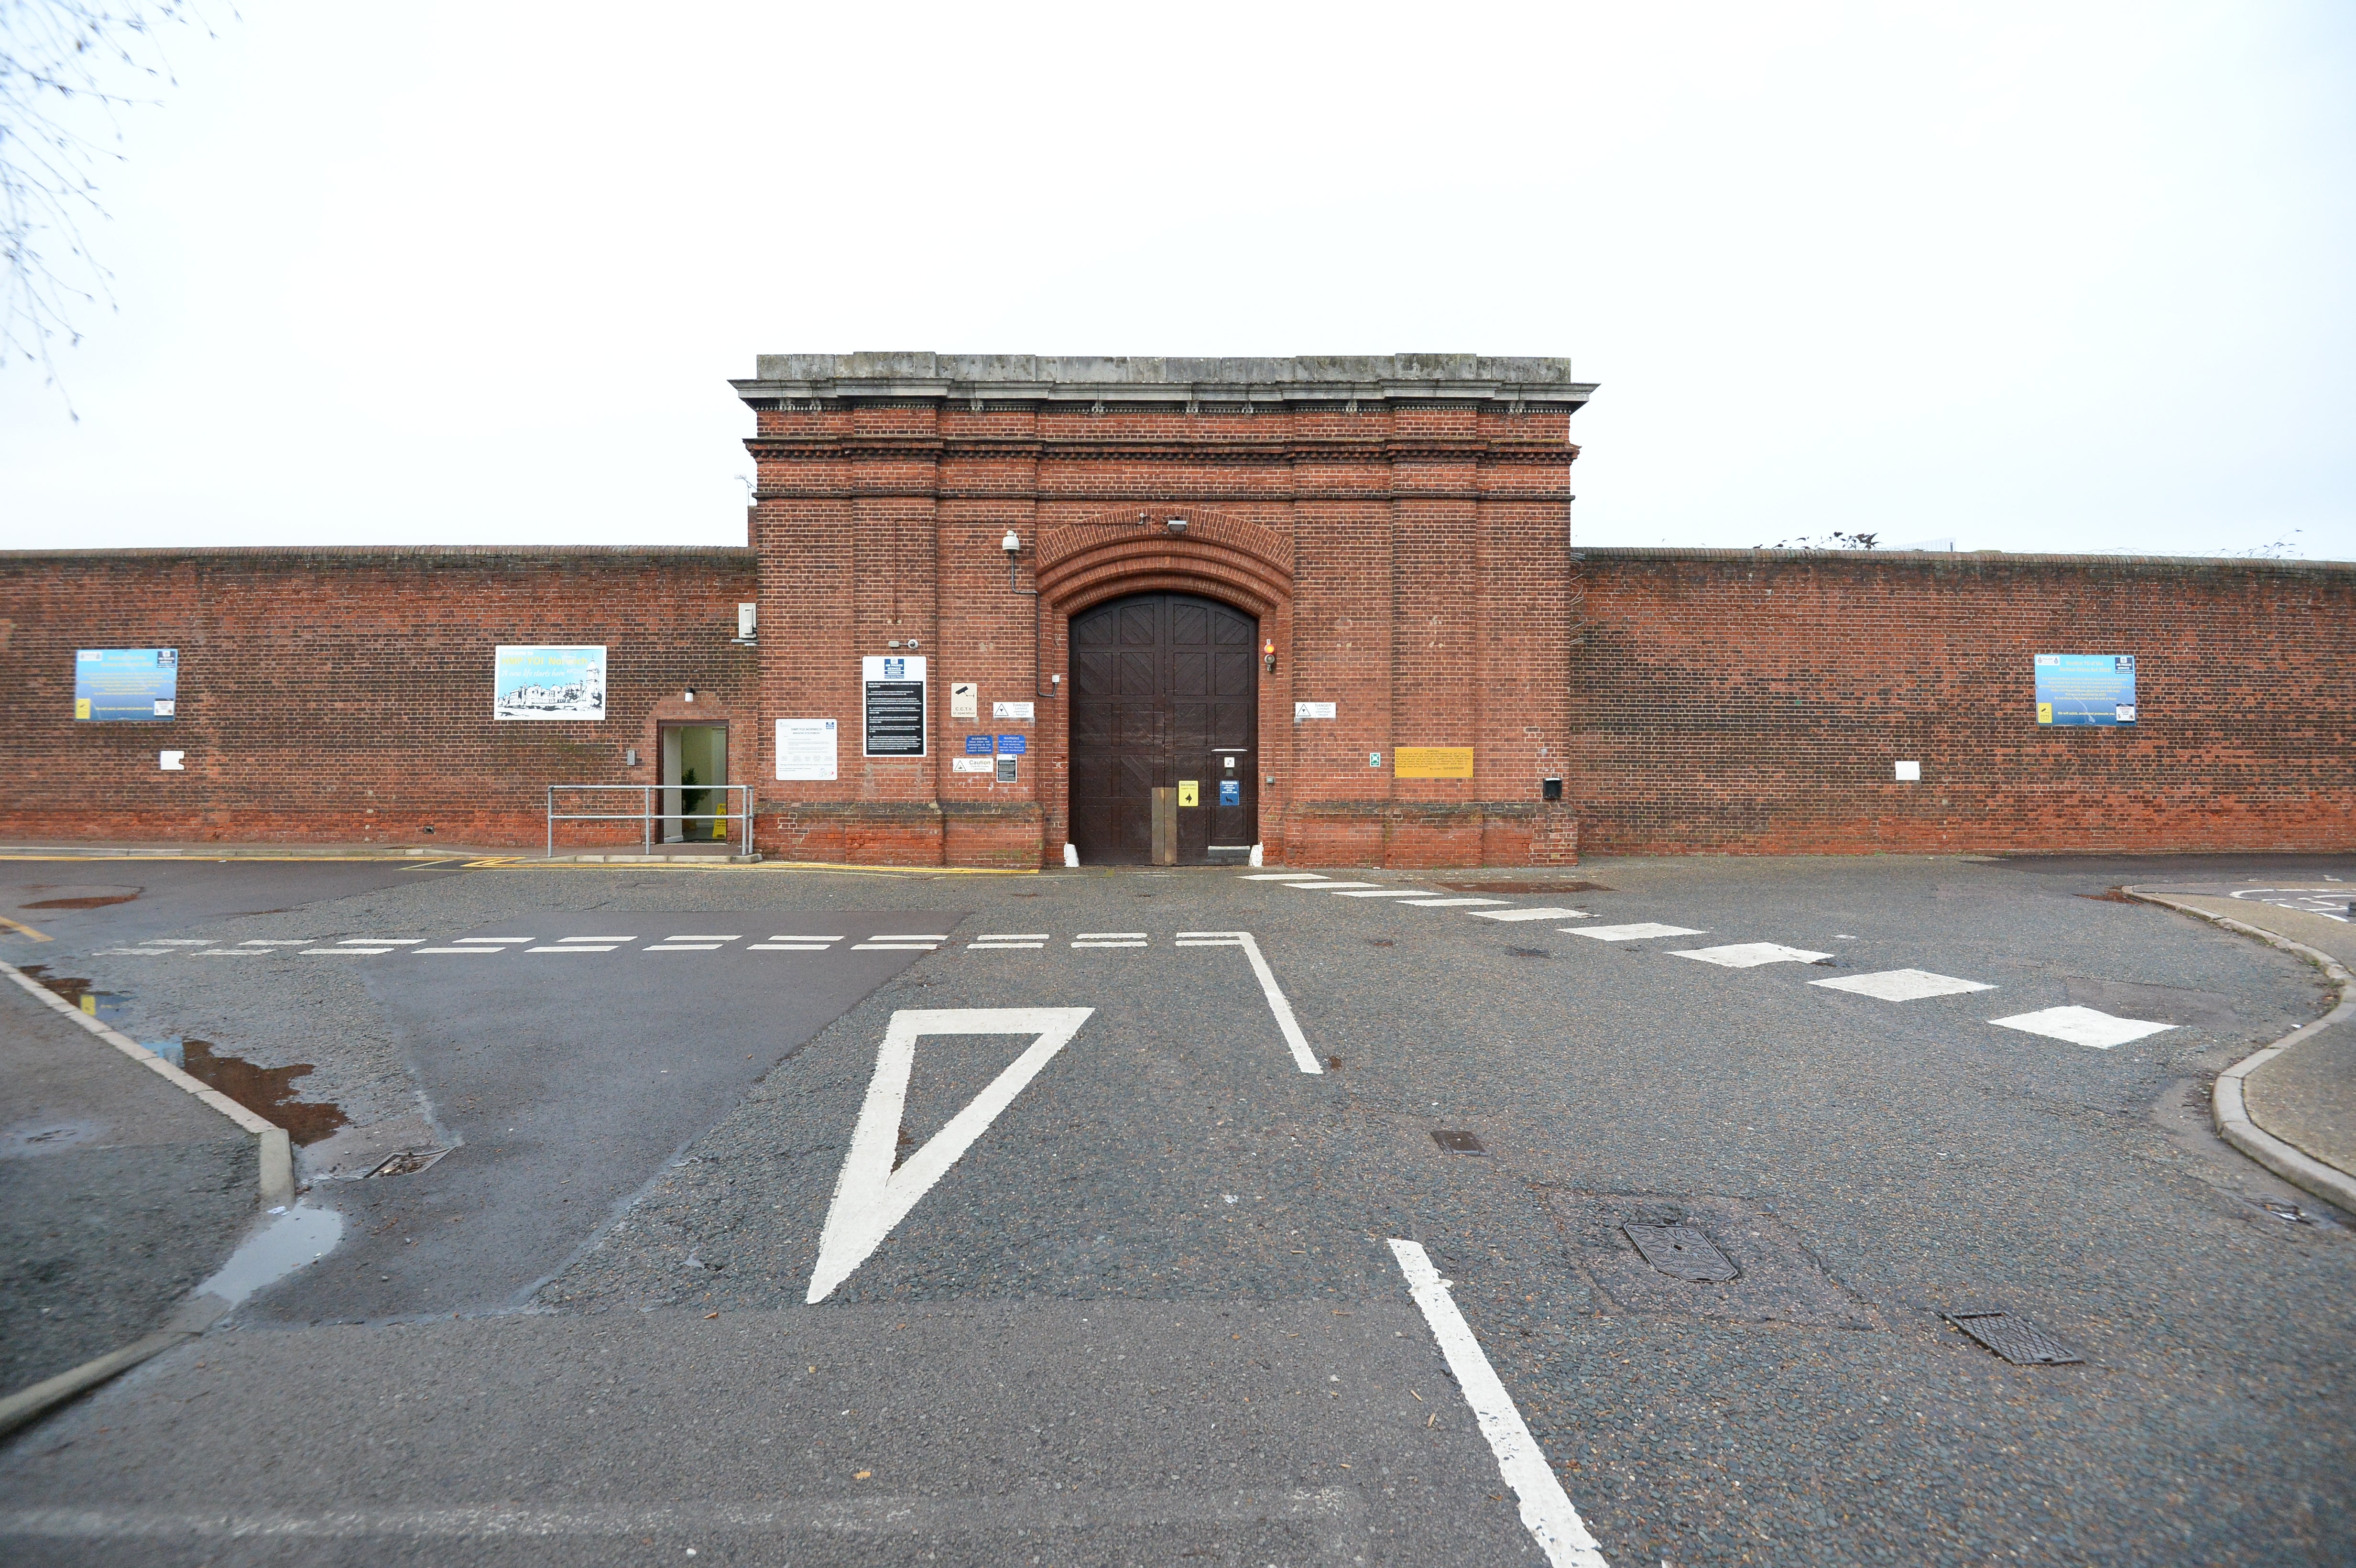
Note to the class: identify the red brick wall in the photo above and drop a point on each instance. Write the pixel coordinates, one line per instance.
(344, 697)
(1756, 702)
(1409, 559)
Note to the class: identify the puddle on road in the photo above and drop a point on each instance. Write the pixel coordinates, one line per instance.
(302, 1236)
(67, 895)
(268, 1092)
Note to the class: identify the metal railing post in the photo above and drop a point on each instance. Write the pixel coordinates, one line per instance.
(552, 823)
(646, 819)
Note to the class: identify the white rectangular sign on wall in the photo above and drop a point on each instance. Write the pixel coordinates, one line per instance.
(806, 749)
(1312, 710)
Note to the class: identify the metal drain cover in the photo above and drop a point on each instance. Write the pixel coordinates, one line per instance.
(2015, 1339)
(409, 1162)
(1458, 1143)
(1680, 1251)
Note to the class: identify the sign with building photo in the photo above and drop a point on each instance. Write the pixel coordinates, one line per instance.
(122, 684)
(2085, 689)
(1432, 763)
(552, 681)
(806, 749)
(893, 705)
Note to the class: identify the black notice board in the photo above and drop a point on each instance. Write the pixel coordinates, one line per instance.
(895, 718)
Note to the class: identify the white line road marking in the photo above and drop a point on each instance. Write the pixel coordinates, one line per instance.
(682, 947)
(906, 936)
(1750, 955)
(574, 947)
(1321, 886)
(1289, 1026)
(1006, 946)
(349, 952)
(894, 947)
(1902, 985)
(1452, 903)
(182, 942)
(1531, 914)
(384, 942)
(1380, 892)
(277, 942)
(471, 952)
(230, 953)
(790, 936)
(790, 947)
(1017, 936)
(1546, 1510)
(1631, 932)
(868, 1515)
(1284, 876)
(1112, 945)
(869, 1197)
(703, 936)
(494, 941)
(2082, 1026)
(616, 939)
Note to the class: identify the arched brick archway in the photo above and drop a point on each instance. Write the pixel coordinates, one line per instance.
(1220, 570)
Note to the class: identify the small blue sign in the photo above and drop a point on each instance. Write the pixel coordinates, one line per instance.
(1013, 745)
(977, 745)
(1231, 791)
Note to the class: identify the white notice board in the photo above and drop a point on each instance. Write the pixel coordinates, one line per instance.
(805, 749)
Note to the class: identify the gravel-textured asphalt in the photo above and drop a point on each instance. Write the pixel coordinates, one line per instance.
(118, 1193)
(1865, 1163)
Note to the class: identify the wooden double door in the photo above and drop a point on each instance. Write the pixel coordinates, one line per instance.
(1165, 695)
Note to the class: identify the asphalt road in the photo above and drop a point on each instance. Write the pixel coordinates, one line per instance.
(1150, 1311)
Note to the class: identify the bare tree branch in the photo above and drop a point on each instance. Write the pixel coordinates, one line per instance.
(69, 69)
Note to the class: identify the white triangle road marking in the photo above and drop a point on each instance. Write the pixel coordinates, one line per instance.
(869, 1197)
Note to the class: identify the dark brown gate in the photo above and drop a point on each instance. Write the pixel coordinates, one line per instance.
(1165, 693)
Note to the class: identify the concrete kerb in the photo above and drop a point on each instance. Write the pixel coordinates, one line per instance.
(2227, 1103)
(277, 1161)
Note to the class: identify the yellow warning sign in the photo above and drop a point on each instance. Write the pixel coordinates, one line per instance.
(1433, 761)
(1190, 791)
(82, 707)
(2045, 713)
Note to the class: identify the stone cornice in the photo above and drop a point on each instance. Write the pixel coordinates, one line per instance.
(918, 376)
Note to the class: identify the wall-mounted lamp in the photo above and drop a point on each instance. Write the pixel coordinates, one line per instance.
(688, 694)
(896, 643)
(1176, 525)
(1267, 655)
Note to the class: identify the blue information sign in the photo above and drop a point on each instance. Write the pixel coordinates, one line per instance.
(1231, 791)
(1013, 745)
(2085, 689)
(977, 745)
(120, 684)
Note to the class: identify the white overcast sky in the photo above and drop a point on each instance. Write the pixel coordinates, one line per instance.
(2038, 277)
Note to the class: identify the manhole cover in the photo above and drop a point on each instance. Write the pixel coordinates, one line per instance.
(2015, 1339)
(45, 1137)
(1680, 1251)
(1458, 1143)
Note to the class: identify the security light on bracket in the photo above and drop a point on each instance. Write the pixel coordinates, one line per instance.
(1267, 655)
(1176, 525)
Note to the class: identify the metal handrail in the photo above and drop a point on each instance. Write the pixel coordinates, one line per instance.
(646, 815)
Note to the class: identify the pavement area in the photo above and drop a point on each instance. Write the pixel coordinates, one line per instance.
(118, 1193)
(2307, 1097)
(777, 1216)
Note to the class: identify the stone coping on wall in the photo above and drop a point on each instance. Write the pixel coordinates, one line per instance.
(1132, 379)
(1955, 558)
(349, 554)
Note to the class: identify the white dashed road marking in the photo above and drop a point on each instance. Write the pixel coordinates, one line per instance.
(1381, 893)
(475, 952)
(683, 947)
(1546, 1510)
(579, 947)
(1902, 985)
(1321, 886)
(1110, 939)
(1750, 955)
(2082, 1026)
(1531, 914)
(1284, 876)
(1630, 933)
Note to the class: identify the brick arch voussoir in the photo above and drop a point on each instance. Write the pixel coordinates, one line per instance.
(1117, 531)
(1084, 584)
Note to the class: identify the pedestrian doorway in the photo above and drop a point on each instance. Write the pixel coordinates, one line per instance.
(694, 769)
(1166, 733)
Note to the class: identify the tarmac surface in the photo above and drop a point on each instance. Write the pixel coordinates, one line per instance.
(1107, 1276)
